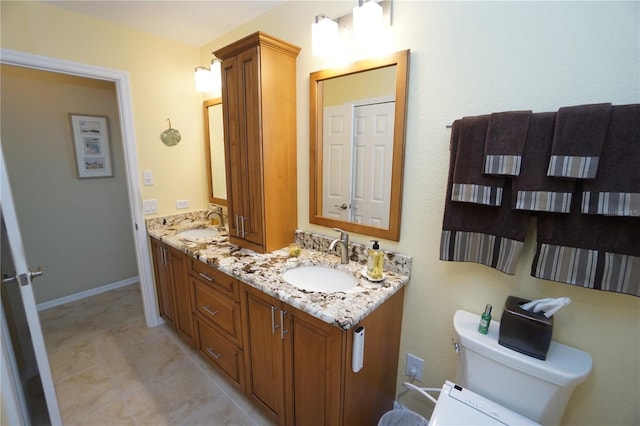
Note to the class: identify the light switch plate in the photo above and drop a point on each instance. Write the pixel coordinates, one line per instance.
(150, 206)
(148, 177)
(182, 204)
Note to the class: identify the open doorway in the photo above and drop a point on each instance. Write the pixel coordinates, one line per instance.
(77, 229)
(121, 81)
(128, 169)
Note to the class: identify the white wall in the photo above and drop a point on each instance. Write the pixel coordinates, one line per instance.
(470, 58)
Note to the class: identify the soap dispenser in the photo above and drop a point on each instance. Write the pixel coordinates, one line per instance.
(375, 261)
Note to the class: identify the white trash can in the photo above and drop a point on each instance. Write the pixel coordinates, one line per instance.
(402, 418)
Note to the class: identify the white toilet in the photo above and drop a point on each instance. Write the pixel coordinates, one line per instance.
(499, 378)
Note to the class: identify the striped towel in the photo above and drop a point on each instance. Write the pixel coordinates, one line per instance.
(616, 190)
(578, 139)
(533, 189)
(469, 184)
(506, 137)
(591, 251)
(479, 233)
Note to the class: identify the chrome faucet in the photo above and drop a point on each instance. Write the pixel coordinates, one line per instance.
(217, 211)
(343, 241)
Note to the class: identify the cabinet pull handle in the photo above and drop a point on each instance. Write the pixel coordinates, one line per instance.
(242, 233)
(282, 330)
(164, 256)
(240, 229)
(206, 277)
(208, 309)
(274, 326)
(213, 354)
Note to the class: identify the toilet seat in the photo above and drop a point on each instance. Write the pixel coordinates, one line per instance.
(459, 406)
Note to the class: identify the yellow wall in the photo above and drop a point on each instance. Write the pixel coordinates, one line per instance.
(162, 86)
(467, 58)
(372, 84)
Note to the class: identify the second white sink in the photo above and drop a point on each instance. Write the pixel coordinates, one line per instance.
(198, 234)
(320, 278)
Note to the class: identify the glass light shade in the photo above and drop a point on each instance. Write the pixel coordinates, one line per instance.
(324, 36)
(216, 77)
(204, 82)
(367, 20)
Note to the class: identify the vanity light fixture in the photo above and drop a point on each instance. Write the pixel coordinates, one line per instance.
(367, 25)
(324, 36)
(367, 19)
(208, 80)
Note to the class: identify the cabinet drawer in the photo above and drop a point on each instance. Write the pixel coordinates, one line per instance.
(225, 283)
(221, 352)
(218, 308)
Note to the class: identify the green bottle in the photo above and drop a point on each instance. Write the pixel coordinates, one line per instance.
(485, 320)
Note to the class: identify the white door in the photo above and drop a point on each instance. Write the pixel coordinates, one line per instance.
(336, 159)
(14, 358)
(372, 163)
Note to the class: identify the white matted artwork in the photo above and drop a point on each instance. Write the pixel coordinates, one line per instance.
(91, 143)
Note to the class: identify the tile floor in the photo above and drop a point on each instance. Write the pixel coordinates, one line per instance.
(110, 369)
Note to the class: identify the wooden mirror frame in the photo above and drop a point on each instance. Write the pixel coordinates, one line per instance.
(207, 146)
(401, 61)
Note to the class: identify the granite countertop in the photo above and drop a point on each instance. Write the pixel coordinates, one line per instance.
(263, 271)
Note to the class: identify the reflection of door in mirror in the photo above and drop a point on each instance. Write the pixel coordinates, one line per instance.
(357, 145)
(358, 156)
(214, 148)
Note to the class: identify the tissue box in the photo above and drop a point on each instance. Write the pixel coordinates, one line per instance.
(523, 331)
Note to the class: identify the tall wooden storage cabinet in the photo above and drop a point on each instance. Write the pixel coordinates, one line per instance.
(259, 113)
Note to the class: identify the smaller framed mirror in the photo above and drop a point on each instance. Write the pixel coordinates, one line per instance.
(214, 150)
(357, 127)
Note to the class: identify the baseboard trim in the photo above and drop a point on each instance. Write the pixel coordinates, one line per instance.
(87, 293)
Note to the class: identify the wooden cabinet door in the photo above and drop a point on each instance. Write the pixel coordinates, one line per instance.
(181, 293)
(233, 155)
(314, 369)
(163, 282)
(264, 353)
(243, 145)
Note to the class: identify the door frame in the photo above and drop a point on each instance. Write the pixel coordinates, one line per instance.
(125, 111)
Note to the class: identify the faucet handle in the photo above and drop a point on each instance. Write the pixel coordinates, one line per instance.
(343, 234)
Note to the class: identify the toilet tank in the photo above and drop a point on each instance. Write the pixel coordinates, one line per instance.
(537, 389)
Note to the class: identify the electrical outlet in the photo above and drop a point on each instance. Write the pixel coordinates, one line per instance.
(150, 206)
(182, 204)
(414, 367)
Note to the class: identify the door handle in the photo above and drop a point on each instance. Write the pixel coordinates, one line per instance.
(342, 206)
(7, 279)
(35, 274)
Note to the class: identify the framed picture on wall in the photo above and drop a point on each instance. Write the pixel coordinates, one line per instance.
(91, 146)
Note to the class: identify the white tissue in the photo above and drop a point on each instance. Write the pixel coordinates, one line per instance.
(548, 306)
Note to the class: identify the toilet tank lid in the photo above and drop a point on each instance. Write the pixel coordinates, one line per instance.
(564, 366)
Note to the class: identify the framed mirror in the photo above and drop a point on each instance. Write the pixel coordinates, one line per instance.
(214, 149)
(357, 127)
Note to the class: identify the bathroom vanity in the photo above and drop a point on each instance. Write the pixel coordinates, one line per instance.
(288, 350)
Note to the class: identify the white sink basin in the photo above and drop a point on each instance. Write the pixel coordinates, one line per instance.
(320, 278)
(198, 234)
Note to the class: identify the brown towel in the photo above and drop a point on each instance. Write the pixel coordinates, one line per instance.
(506, 137)
(533, 189)
(599, 252)
(469, 184)
(616, 190)
(479, 233)
(578, 139)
